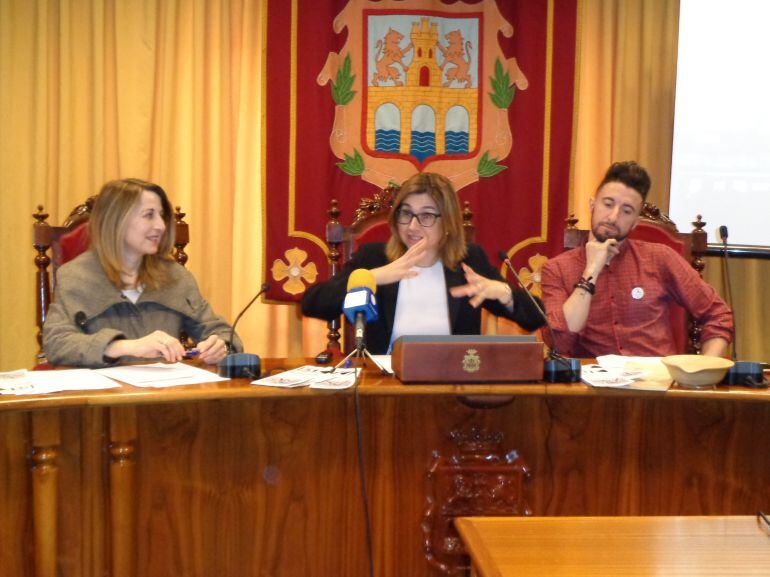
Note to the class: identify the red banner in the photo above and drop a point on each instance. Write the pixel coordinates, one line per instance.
(360, 93)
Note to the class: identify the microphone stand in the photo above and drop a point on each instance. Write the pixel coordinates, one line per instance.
(360, 350)
(746, 373)
(729, 292)
(237, 365)
(553, 355)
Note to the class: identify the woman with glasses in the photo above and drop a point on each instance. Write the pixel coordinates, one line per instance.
(429, 281)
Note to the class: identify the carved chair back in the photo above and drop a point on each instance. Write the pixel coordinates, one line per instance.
(369, 224)
(656, 226)
(67, 241)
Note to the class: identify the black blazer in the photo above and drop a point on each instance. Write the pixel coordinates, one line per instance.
(324, 300)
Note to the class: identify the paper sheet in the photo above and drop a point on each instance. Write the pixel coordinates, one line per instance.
(313, 377)
(25, 382)
(160, 375)
(636, 373)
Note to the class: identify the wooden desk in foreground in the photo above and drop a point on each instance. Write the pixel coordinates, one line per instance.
(616, 546)
(232, 480)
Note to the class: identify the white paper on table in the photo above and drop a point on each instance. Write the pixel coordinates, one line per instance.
(648, 368)
(645, 373)
(339, 379)
(161, 375)
(46, 382)
(598, 376)
(310, 376)
(386, 362)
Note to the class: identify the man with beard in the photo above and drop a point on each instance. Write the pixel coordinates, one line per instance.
(612, 295)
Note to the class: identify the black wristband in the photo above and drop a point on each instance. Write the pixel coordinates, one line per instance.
(586, 285)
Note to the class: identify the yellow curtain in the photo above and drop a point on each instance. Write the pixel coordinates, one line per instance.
(625, 106)
(166, 90)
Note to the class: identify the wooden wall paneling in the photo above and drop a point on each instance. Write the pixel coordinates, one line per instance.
(80, 475)
(246, 487)
(403, 435)
(95, 489)
(123, 461)
(15, 497)
(269, 486)
(653, 457)
(46, 441)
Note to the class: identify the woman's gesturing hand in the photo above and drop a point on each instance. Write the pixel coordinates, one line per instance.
(480, 288)
(403, 266)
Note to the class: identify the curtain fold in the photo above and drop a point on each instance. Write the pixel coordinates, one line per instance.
(171, 91)
(627, 79)
(165, 90)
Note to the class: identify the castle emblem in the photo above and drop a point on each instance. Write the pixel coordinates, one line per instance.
(417, 87)
(422, 100)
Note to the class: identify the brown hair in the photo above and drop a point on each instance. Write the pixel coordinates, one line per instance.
(630, 174)
(453, 248)
(107, 230)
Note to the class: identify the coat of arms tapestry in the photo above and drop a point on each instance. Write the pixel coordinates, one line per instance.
(363, 93)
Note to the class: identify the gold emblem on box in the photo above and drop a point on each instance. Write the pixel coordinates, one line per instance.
(471, 361)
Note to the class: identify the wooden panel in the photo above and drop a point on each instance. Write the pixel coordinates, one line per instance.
(268, 485)
(122, 449)
(46, 438)
(15, 496)
(237, 488)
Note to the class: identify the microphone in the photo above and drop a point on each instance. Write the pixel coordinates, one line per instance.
(723, 234)
(360, 305)
(570, 372)
(238, 365)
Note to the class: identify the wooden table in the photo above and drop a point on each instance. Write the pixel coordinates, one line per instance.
(619, 546)
(233, 480)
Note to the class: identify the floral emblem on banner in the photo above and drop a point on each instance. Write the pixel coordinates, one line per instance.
(530, 277)
(418, 88)
(295, 271)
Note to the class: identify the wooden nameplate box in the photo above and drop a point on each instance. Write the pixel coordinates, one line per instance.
(467, 359)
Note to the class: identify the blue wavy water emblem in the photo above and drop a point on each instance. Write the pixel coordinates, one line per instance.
(456, 142)
(387, 140)
(423, 144)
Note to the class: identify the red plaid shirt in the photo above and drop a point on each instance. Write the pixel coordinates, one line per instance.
(629, 313)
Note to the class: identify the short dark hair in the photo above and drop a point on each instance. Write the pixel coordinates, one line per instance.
(630, 174)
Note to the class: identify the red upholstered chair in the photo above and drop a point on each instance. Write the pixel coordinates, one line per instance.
(655, 226)
(370, 224)
(67, 241)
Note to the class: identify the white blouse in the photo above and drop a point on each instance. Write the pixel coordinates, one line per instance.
(421, 307)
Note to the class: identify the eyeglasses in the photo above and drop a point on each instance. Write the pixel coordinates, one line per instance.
(426, 219)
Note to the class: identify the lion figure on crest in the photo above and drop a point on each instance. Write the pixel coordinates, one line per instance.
(453, 54)
(389, 52)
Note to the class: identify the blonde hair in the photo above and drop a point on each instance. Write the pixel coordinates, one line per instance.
(453, 248)
(107, 230)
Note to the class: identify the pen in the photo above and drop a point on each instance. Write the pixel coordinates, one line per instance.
(191, 353)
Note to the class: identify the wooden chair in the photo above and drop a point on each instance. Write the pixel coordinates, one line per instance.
(67, 241)
(370, 224)
(655, 226)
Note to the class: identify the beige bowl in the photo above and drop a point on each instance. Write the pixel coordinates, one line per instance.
(697, 371)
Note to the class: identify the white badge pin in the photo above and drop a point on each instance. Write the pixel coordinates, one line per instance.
(637, 293)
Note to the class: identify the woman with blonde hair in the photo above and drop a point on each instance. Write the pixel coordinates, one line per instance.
(429, 280)
(126, 298)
